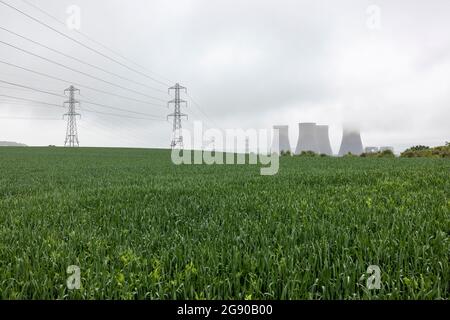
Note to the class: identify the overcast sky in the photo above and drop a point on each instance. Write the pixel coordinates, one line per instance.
(383, 66)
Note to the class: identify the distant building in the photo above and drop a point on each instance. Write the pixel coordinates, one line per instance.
(371, 149)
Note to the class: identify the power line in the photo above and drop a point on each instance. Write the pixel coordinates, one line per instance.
(33, 89)
(201, 110)
(84, 101)
(80, 61)
(22, 104)
(80, 43)
(78, 84)
(86, 110)
(121, 116)
(12, 88)
(29, 118)
(80, 72)
(96, 42)
(30, 100)
(129, 125)
(119, 109)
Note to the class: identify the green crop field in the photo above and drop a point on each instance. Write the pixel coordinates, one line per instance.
(141, 228)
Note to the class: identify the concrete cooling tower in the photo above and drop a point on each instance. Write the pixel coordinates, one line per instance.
(351, 143)
(282, 145)
(323, 140)
(307, 138)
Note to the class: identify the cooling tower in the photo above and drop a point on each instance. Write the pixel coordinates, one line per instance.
(307, 138)
(351, 143)
(323, 140)
(282, 145)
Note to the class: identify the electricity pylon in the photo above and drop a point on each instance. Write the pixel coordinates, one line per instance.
(177, 135)
(71, 132)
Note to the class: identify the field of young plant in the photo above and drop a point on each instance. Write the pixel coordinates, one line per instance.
(141, 228)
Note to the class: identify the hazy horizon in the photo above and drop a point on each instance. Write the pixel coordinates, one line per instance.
(380, 65)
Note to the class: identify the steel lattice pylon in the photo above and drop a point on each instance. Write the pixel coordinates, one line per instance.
(177, 136)
(71, 132)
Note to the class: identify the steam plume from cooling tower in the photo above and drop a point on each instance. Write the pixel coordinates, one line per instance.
(351, 142)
